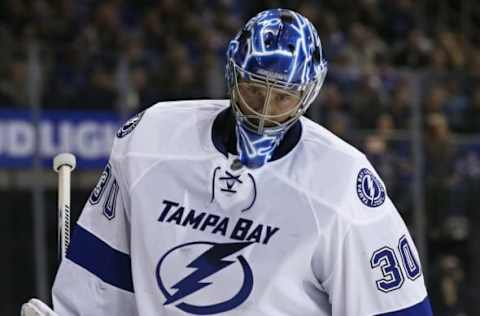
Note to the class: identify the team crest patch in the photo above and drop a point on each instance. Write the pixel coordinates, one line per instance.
(129, 125)
(369, 189)
(99, 189)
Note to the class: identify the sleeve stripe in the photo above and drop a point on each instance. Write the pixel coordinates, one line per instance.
(93, 254)
(421, 309)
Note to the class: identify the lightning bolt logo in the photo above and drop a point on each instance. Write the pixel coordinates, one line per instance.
(370, 187)
(208, 263)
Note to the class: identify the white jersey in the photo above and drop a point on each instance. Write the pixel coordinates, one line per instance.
(174, 227)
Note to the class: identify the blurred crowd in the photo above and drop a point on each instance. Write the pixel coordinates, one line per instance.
(393, 65)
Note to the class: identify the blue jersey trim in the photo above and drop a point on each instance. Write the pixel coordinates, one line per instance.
(93, 254)
(421, 309)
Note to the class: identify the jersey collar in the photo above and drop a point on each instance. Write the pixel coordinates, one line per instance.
(225, 140)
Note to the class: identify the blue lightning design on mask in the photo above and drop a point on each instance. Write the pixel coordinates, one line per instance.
(208, 263)
(294, 65)
(256, 150)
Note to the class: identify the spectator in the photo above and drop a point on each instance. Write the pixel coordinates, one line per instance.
(65, 77)
(400, 18)
(449, 287)
(141, 93)
(415, 52)
(450, 43)
(13, 89)
(99, 92)
(469, 172)
(387, 74)
(366, 105)
(104, 32)
(331, 102)
(400, 105)
(435, 100)
(339, 124)
(362, 47)
(176, 77)
(16, 16)
(385, 126)
(456, 103)
(439, 157)
(331, 33)
(439, 61)
(474, 68)
(472, 115)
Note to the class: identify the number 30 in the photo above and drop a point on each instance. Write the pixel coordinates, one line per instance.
(386, 259)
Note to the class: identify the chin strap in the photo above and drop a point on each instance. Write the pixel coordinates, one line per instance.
(255, 150)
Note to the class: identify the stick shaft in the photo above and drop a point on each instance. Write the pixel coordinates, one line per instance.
(63, 210)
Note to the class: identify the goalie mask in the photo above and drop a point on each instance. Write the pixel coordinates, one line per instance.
(275, 70)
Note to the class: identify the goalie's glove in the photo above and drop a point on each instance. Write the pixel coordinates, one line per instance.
(35, 307)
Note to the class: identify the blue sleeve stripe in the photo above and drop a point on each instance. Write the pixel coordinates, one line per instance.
(421, 309)
(108, 264)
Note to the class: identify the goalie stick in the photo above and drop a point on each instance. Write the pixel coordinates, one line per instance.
(63, 164)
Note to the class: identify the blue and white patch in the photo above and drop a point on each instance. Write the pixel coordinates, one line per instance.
(129, 125)
(111, 201)
(369, 189)
(99, 189)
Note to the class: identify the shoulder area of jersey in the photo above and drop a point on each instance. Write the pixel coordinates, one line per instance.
(162, 112)
(318, 138)
(364, 196)
(340, 176)
(173, 129)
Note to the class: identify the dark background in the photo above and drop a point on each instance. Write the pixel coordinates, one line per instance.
(403, 85)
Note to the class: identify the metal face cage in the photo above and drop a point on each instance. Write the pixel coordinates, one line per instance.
(266, 105)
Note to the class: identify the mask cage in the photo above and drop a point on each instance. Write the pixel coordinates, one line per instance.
(261, 122)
